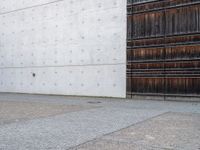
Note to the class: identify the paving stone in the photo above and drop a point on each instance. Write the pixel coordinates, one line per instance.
(61, 122)
(171, 131)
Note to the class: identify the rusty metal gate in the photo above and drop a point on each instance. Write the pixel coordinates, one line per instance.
(163, 47)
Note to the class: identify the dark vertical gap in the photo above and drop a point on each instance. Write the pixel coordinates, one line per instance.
(164, 57)
(132, 84)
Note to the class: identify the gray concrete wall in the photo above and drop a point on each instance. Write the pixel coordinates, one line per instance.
(74, 47)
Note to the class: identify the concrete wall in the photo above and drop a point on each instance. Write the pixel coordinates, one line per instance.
(73, 47)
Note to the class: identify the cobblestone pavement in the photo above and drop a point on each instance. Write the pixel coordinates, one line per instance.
(60, 122)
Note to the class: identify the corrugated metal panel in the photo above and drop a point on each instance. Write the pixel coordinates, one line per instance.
(163, 47)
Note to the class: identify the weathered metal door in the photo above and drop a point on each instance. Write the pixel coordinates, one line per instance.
(163, 47)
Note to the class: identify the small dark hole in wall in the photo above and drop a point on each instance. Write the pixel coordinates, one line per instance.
(33, 74)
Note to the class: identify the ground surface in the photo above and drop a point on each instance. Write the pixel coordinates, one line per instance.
(59, 122)
(167, 132)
